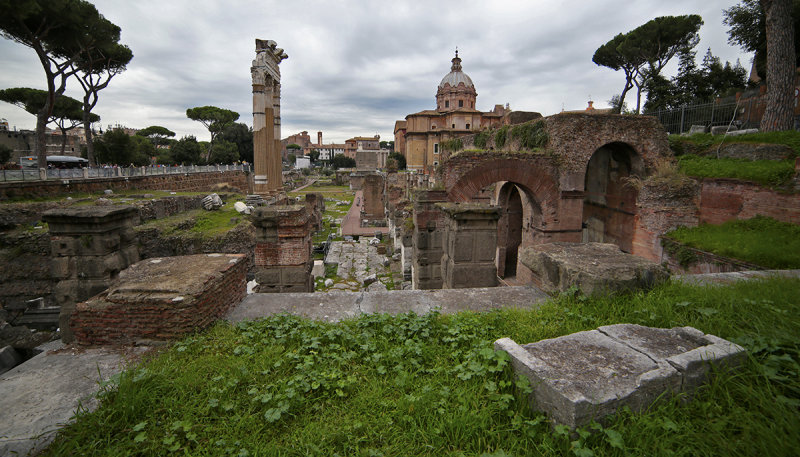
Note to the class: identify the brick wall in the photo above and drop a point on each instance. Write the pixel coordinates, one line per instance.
(191, 182)
(105, 319)
(725, 199)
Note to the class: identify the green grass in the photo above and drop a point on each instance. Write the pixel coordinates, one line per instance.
(199, 222)
(703, 141)
(433, 386)
(769, 173)
(761, 240)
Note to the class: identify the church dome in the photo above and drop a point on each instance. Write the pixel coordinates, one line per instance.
(456, 76)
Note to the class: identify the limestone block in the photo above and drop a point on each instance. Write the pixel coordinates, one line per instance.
(63, 267)
(594, 268)
(9, 358)
(318, 269)
(588, 375)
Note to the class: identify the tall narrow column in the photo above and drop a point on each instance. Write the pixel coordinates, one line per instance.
(266, 116)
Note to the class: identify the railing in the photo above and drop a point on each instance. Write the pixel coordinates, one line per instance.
(116, 172)
(744, 114)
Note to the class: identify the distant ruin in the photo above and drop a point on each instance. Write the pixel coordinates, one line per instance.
(267, 117)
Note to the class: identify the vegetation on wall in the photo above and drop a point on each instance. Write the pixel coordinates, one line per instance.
(452, 145)
(481, 138)
(761, 240)
(531, 135)
(500, 137)
(702, 142)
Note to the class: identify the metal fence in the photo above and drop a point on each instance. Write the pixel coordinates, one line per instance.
(116, 172)
(681, 119)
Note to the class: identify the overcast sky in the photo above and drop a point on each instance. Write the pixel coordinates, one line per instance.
(355, 67)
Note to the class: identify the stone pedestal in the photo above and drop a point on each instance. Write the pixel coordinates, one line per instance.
(315, 205)
(89, 247)
(426, 260)
(470, 245)
(283, 249)
(266, 117)
(373, 209)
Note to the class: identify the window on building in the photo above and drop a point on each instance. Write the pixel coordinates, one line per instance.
(461, 103)
(435, 148)
(433, 127)
(447, 104)
(454, 126)
(467, 126)
(435, 163)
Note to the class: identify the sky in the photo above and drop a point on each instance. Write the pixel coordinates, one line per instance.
(357, 66)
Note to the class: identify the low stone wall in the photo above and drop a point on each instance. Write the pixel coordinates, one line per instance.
(685, 259)
(25, 269)
(191, 294)
(189, 182)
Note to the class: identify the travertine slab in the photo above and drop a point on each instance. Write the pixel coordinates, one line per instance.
(588, 375)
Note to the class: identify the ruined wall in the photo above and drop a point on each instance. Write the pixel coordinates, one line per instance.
(661, 207)
(374, 201)
(192, 182)
(427, 239)
(25, 269)
(724, 199)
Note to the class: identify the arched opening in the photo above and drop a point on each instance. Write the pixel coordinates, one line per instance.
(509, 229)
(609, 205)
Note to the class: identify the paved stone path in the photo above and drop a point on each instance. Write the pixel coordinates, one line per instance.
(356, 259)
(41, 395)
(351, 223)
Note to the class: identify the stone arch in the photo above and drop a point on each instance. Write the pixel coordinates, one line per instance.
(609, 203)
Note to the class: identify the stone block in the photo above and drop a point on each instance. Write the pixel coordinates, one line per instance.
(588, 375)
(9, 358)
(594, 268)
(265, 276)
(460, 245)
(318, 269)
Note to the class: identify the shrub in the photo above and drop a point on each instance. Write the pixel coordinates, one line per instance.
(500, 137)
(452, 145)
(531, 135)
(481, 138)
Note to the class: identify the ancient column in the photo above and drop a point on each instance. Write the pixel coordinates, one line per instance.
(470, 243)
(89, 245)
(266, 117)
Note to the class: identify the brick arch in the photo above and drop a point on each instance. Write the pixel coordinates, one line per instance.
(466, 176)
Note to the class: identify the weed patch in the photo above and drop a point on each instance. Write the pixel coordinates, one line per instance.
(761, 240)
(770, 173)
(433, 386)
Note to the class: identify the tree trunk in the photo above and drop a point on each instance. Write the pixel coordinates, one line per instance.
(628, 86)
(779, 115)
(63, 141)
(41, 135)
(87, 129)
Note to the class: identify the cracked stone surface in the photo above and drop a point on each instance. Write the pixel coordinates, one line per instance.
(356, 259)
(588, 375)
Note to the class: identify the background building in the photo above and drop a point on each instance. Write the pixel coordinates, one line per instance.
(419, 137)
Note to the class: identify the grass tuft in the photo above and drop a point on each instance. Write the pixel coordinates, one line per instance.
(771, 173)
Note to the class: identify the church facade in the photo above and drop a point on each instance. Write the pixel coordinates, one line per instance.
(420, 135)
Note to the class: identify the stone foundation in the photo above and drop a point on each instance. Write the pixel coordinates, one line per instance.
(162, 299)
